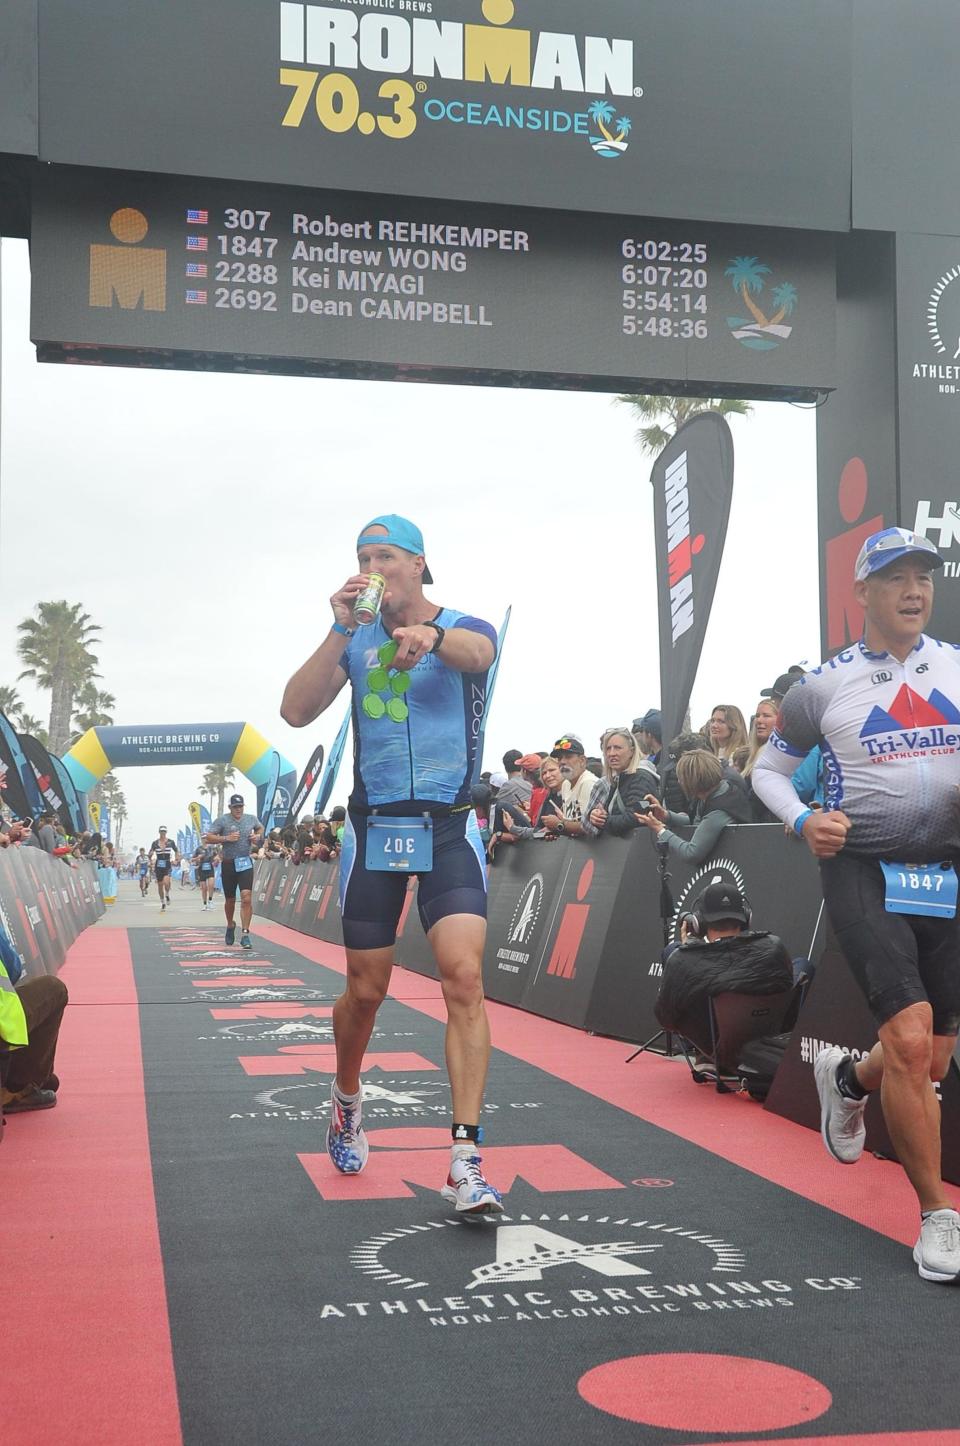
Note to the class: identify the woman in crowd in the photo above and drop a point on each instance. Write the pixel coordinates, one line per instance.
(718, 800)
(619, 797)
(726, 731)
(107, 873)
(764, 722)
(546, 800)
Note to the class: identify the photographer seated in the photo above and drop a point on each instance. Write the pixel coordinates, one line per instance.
(718, 953)
(718, 799)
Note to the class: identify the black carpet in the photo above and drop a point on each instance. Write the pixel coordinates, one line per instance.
(303, 1310)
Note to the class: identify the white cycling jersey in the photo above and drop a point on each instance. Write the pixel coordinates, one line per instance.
(890, 737)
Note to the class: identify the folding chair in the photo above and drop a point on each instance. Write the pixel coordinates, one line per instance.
(737, 1018)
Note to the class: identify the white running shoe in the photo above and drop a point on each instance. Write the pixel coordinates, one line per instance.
(347, 1145)
(841, 1120)
(468, 1190)
(937, 1252)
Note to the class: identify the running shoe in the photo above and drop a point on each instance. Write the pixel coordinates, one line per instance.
(346, 1143)
(841, 1119)
(467, 1189)
(230, 935)
(245, 940)
(937, 1252)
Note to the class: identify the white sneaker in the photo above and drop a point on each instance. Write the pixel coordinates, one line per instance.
(937, 1252)
(841, 1120)
(347, 1145)
(468, 1190)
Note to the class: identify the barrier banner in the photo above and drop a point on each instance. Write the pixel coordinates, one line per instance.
(44, 772)
(835, 1012)
(302, 896)
(484, 706)
(692, 487)
(574, 929)
(307, 780)
(334, 759)
(45, 904)
(14, 768)
(76, 820)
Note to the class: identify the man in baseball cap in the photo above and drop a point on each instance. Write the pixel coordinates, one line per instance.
(782, 685)
(893, 545)
(881, 711)
(723, 903)
(396, 531)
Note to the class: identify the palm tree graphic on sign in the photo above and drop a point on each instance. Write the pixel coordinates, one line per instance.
(747, 275)
(608, 144)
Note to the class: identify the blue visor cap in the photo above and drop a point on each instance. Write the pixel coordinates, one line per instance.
(401, 532)
(892, 545)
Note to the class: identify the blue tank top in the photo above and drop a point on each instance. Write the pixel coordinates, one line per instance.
(428, 757)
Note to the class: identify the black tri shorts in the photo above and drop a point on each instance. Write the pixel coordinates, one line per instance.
(371, 902)
(897, 959)
(231, 879)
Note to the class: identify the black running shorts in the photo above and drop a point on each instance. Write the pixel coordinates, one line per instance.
(371, 902)
(897, 959)
(231, 880)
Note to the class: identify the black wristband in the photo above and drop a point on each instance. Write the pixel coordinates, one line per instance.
(440, 632)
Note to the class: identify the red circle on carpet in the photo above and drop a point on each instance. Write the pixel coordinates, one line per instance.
(693, 1392)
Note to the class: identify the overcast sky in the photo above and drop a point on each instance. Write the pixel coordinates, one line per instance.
(203, 521)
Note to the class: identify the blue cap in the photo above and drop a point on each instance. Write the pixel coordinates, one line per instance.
(894, 543)
(400, 532)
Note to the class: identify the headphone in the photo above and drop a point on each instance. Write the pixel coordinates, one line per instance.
(697, 925)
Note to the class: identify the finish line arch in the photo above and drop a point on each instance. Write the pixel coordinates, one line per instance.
(239, 744)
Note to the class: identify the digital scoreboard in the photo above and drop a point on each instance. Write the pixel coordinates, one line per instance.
(142, 270)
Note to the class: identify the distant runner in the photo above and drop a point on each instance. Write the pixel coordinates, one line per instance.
(205, 863)
(141, 871)
(237, 833)
(163, 856)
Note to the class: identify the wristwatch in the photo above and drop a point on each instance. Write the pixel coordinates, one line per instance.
(440, 632)
(561, 827)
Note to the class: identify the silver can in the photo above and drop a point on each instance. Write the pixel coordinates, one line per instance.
(366, 609)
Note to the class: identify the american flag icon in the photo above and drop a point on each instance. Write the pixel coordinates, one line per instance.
(196, 268)
(196, 243)
(196, 298)
(197, 218)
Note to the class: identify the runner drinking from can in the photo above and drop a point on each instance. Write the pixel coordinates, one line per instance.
(418, 674)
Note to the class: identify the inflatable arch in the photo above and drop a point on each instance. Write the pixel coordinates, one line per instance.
(238, 744)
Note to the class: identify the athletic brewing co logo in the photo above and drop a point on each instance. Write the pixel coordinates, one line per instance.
(720, 871)
(763, 332)
(943, 329)
(527, 912)
(492, 53)
(912, 727)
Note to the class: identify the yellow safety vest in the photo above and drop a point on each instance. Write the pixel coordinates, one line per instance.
(13, 1021)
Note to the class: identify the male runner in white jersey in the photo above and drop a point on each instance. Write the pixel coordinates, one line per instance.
(886, 714)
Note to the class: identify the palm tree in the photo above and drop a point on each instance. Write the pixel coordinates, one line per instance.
(624, 126)
(746, 276)
(664, 415)
(216, 777)
(94, 710)
(9, 701)
(785, 299)
(26, 723)
(55, 647)
(601, 111)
